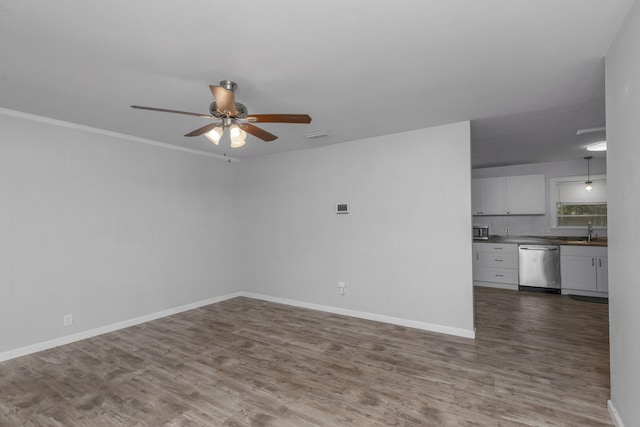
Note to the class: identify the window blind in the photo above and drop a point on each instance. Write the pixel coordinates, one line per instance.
(574, 192)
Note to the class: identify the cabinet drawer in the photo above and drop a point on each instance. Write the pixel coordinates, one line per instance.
(497, 260)
(496, 247)
(497, 275)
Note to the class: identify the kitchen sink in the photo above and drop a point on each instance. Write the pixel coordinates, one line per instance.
(580, 241)
(577, 242)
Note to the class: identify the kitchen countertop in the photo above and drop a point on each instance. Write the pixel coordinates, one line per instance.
(546, 240)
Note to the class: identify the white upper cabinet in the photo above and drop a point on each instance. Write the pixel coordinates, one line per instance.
(512, 195)
(488, 196)
(525, 195)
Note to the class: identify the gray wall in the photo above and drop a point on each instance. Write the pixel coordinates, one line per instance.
(623, 135)
(538, 225)
(106, 229)
(404, 250)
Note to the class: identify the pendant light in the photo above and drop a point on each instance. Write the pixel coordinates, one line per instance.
(588, 184)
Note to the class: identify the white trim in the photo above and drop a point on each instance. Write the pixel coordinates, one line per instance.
(33, 348)
(584, 293)
(508, 286)
(431, 327)
(615, 416)
(69, 125)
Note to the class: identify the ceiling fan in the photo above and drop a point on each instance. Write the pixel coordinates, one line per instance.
(233, 115)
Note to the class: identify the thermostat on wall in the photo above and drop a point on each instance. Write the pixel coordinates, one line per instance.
(342, 208)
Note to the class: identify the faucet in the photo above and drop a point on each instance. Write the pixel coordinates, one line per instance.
(589, 231)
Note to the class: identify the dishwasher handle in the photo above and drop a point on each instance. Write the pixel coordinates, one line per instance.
(525, 248)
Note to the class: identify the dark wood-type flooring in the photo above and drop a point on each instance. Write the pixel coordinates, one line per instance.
(537, 360)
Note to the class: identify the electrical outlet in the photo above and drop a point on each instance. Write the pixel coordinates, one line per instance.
(67, 320)
(341, 286)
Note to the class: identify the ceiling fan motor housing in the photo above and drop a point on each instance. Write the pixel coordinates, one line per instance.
(240, 109)
(229, 85)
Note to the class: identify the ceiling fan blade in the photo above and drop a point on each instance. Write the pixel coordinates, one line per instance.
(225, 100)
(280, 118)
(204, 116)
(258, 133)
(203, 129)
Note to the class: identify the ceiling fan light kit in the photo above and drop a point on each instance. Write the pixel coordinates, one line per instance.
(237, 136)
(233, 115)
(215, 134)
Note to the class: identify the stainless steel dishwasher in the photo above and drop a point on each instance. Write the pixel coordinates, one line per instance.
(539, 268)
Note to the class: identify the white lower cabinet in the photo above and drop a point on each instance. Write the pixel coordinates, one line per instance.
(584, 270)
(495, 265)
(602, 275)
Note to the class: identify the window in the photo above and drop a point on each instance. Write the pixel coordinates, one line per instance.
(576, 207)
(579, 214)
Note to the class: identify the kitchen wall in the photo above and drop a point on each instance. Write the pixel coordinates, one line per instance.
(623, 134)
(538, 225)
(107, 229)
(404, 250)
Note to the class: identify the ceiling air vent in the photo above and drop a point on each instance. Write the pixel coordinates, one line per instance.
(319, 134)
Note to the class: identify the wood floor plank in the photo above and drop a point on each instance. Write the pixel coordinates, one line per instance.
(537, 360)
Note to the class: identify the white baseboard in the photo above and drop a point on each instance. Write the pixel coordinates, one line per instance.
(614, 414)
(34, 348)
(368, 316)
(585, 293)
(68, 339)
(496, 285)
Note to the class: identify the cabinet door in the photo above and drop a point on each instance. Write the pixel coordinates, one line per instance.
(492, 196)
(476, 261)
(525, 195)
(578, 272)
(476, 208)
(603, 274)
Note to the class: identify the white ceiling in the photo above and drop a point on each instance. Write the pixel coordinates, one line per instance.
(528, 73)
